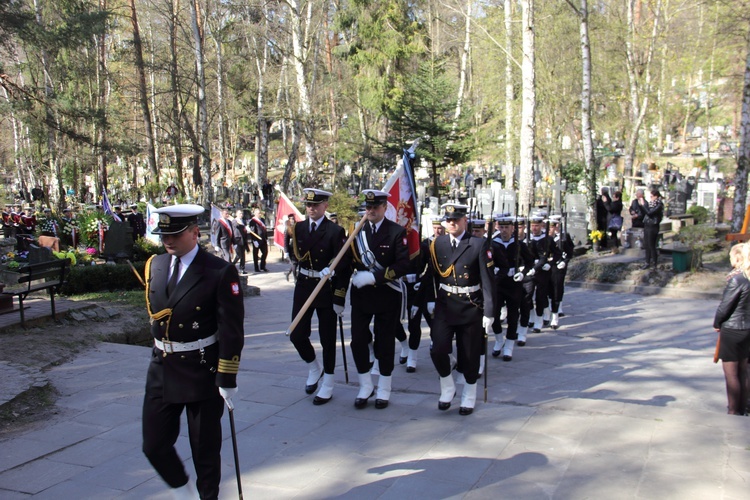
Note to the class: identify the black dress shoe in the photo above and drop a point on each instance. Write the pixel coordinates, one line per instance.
(555, 327)
(321, 401)
(465, 411)
(444, 406)
(411, 369)
(264, 270)
(309, 389)
(381, 403)
(536, 330)
(495, 353)
(545, 323)
(360, 403)
(402, 360)
(507, 358)
(521, 342)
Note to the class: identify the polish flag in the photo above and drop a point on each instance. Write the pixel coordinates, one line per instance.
(402, 204)
(283, 209)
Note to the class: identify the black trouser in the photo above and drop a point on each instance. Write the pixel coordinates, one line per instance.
(300, 336)
(509, 294)
(469, 346)
(384, 330)
(542, 291)
(415, 323)
(263, 250)
(650, 236)
(239, 255)
(161, 426)
(527, 301)
(557, 287)
(613, 237)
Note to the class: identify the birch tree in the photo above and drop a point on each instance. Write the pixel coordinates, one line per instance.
(743, 157)
(202, 111)
(528, 110)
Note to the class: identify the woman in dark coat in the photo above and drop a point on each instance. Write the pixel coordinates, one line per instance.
(732, 321)
(652, 214)
(614, 218)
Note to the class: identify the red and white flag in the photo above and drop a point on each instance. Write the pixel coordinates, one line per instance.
(402, 204)
(284, 209)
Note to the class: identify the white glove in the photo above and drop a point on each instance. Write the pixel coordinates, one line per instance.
(410, 278)
(227, 392)
(338, 309)
(431, 308)
(497, 270)
(413, 311)
(363, 278)
(256, 244)
(561, 264)
(325, 272)
(518, 277)
(487, 324)
(531, 272)
(536, 261)
(546, 267)
(511, 271)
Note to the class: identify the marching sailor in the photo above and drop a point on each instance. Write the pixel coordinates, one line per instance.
(197, 312)
(510, 259)
(562, 253)
(380, 257)
(461, 267)
(315, 243)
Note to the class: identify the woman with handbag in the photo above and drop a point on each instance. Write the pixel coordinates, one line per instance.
(732, 321)
(614, 219)
(652, 214)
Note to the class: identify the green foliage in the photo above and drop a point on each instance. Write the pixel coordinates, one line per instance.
(699, 238)
(143, 249)
(103, 277)
(345, 207)
(699, 213)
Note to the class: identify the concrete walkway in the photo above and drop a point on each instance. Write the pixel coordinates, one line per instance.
(622, 401)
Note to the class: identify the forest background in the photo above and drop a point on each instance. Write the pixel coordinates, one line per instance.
(136, 95)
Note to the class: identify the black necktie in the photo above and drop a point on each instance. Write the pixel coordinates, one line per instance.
(312, 227)
(454, 244)
(374, 228)
(175, 276)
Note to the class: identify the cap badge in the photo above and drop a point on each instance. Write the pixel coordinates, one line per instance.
(370, 196)
(311, 195)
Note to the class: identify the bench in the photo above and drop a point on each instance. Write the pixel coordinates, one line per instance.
(48, 276)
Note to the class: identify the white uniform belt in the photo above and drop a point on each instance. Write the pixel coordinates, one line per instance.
(460, 289)
(309, 273)
(170, 347)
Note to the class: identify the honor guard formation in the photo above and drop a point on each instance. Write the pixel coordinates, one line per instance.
(466, 282)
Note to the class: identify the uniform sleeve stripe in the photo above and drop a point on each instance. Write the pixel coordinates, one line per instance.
(230, 367)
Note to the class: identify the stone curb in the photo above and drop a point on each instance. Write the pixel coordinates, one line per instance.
(678, 293)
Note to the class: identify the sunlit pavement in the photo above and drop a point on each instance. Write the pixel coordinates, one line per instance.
(623, 401)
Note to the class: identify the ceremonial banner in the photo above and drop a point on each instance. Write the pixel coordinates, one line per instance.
(108, 207)
(215, 216)
(402, 204)
(283, 209)
(152, 220)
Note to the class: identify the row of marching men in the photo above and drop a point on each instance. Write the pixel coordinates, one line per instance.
(458, 283)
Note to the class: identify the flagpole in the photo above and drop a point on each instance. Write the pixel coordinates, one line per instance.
(324, 279)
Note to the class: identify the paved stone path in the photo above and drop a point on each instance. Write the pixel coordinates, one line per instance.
(622, 401)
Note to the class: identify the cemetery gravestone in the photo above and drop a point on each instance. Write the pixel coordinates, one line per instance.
(505, 201)
(118, 241)
(578, 227)
(484, 201)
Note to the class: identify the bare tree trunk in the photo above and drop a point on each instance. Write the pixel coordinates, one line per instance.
(143, 93)
(743, 157)
(300, 48)
(464, 64)
(589, 162)
(509, 115)
(260, 49)
(528, 111)
(220, 97)
(639, 93)
(334, 118)
(176, 133)
(51, 119)
(293, 157)
(202, 109)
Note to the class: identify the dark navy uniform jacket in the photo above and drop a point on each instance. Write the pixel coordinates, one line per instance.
(472, 264)
(389, 247)
(207, 300)
(315, 251)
